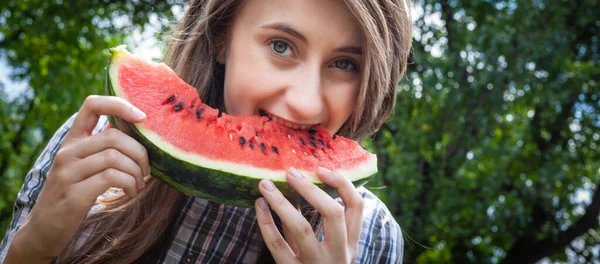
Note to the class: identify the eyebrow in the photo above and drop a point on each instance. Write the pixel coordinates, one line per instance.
(289, 30)
(350, 49)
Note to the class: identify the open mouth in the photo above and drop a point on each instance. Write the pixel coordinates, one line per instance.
(284, 122)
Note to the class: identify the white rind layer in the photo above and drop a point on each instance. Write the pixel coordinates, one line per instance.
(362, 171)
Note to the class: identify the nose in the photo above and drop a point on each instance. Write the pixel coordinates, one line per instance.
(304, 95)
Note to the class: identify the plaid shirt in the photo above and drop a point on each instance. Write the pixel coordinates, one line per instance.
(208, 232)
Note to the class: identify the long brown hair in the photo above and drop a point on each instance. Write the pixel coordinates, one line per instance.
(127, 230)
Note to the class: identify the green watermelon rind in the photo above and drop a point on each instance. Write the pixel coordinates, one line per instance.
(214, 185)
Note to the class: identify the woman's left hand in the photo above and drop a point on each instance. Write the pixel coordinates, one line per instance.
(342, 225)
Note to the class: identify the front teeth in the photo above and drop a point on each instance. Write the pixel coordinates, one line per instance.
(287, 124)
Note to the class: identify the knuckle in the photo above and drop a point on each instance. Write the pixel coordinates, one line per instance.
(278, 243)
(344, 182)
(90, 100)
(138, 172)
(359, 203)
(143, 155)
(108, 175)
(130, 183)
(112, 136)
(111, 157)
(279, 200)
(143, 151)
(266, 221)
(305, 231)
(311, 187)
(336, 212)
(56, 175)
(61, 156)
(138, 175)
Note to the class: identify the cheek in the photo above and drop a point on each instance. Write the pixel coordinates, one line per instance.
(246, 81)
(341, 103)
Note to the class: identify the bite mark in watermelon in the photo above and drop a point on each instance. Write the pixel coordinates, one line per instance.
(219, 157)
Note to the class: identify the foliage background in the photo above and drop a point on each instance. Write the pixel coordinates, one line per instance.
(491, 155)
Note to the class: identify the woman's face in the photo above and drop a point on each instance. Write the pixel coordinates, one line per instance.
(298, 60)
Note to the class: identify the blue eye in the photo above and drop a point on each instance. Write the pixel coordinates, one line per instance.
(345, 64)
(281, 47)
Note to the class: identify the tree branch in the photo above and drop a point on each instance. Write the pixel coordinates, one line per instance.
(531, 252)
(426, 182)
(467, 129)
(526, 249)
(383, 159)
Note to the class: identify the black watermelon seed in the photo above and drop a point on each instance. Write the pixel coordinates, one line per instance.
(199, 113)
(275, 149)
(171, 99)
(257, 134)
(315, 154)
(302, 141)
(263, 148)
(322, 143)
(251, 144)
(242, 141)
(312, 143)
(262, 112)
(312, 138)
(312, 131)
(178, 107)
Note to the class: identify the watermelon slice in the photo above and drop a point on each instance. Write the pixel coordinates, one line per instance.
(215, 156)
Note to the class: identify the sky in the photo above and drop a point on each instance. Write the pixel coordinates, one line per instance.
(11, 87)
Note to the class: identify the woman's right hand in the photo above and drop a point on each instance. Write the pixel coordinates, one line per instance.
(85, 166)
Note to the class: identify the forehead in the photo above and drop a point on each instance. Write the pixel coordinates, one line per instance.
(317, 20)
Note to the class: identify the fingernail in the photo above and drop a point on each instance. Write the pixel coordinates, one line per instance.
(268, 185)
(262, 204)
(295, 173)
(324, 170)
(138, 113)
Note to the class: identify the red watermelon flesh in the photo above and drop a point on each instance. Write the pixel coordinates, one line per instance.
(179, 124)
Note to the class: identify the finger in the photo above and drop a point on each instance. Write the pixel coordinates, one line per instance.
(334, 223)
(99, 183)
(301, 230)
(289, 237)
(115, 139)
(94, 106)
(109, 158)
(353, 202)
(279, 248)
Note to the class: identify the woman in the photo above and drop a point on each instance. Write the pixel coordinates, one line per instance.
(334, 63)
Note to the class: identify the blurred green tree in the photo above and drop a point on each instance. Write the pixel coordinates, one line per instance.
(59, 49)
(492, 153)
